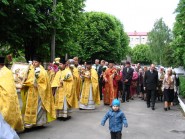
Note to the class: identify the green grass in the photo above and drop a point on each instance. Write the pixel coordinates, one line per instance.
(182, 86)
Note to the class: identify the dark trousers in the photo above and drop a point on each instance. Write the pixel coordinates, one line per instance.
(151, 95)
(126, 92)
(100, 87)
(116, 135)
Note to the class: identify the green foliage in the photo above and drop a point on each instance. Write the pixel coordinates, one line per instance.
(168, 56)
(103, 37)
(128, 50)
(178, 43)
(70, 29)
(141, 54)
(182, 86)
(159, 37)
(28, 25)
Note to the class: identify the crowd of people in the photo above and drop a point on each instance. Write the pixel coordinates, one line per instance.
(49, 94)
(148, 83)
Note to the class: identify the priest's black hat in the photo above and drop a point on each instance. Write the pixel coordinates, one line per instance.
(111, 61)
(62, 60)
(2, 60)
(37, 58)
(88, 63)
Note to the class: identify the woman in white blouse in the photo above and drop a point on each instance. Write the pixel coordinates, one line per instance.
(168, 86)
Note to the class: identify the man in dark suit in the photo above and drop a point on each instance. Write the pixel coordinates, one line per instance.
(150, 85)
(127, 77)
(100, 76)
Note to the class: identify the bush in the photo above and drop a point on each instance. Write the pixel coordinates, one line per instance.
(182, 86)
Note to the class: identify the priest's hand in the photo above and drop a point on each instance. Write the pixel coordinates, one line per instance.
(61, 82)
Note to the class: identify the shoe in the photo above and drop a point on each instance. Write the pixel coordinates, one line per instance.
(169, 108)
(65, 118)
(68, 117)
(127, 100)
(153, 108)
(148, 106)
(104, 104)
(132, 98)
(165, 109)
(28, 125)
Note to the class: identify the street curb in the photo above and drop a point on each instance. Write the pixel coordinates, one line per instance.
(181, 104)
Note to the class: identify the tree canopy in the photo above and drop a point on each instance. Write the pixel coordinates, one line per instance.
(28, 25)
(27, 28)
(141, 54)
(178, 43)
(159, 37)
(103, 37)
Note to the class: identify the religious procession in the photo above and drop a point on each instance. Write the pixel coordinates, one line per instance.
(52, 94)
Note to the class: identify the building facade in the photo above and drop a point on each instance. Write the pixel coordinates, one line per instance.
(137, 38)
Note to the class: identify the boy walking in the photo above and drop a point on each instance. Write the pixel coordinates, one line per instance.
(116, 120)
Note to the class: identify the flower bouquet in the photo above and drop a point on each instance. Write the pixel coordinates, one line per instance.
(37, 71)
(67, 76)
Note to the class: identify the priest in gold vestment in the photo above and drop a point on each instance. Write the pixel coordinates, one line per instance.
(65, 95)
(59, 93)
(9, 103)
(77, 79)
(90, 94)
(68, 82)
(39, 108)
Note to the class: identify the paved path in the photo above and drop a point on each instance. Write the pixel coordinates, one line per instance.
(143, 124)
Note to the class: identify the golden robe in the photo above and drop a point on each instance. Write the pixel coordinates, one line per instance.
(59, 93)
(95, 88)
(9, 103)
(43, 90)
(24, 91)
(51, 75)
(69, 88)
(77, 82)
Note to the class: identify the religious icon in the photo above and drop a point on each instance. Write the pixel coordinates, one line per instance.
(20, 71)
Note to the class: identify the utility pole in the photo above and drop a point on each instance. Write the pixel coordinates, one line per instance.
(53, 36)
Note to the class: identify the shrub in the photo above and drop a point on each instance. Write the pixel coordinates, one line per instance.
(182, 86)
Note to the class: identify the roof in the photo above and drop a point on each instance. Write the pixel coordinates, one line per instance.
(137, 33)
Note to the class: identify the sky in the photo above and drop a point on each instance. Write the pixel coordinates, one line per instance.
(137, 15)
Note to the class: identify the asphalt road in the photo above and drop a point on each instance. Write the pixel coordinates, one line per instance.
(143, 124)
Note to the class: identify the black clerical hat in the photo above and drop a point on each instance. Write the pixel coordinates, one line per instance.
(62, 60)
(37, 58)
(88, 63)
(111, 61)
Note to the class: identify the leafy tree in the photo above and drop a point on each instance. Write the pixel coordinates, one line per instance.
(141, 54)
(28, 25)
(159, 37)
(103, 37)
(168, 58)
(178, 43)
(129, 51)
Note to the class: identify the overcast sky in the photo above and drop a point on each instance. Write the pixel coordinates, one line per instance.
(136, 15)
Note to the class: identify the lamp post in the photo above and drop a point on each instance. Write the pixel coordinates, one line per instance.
(53, 36)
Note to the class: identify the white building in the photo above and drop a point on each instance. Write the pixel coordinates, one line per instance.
(137, 38)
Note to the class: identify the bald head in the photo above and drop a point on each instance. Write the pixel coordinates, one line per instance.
(97, 61)
(152, 67)
(75, 61)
